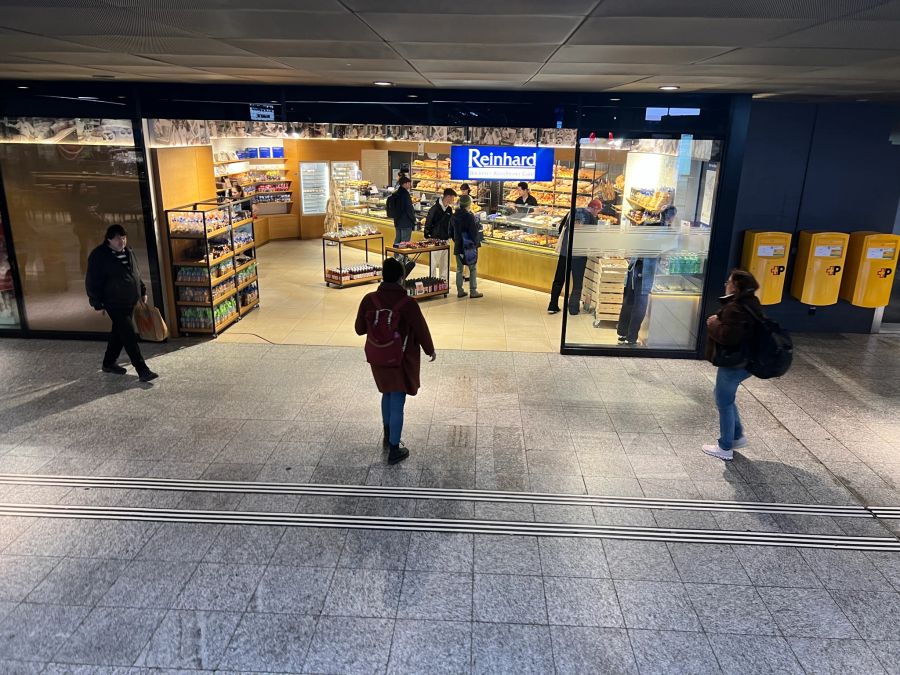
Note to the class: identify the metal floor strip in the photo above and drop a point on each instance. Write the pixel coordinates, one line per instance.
(455, 526)
(374, 491)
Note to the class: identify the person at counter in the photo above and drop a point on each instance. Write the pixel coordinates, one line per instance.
(583, 216)
(465, 189)
(400, 208)
(638, 284)
(437, 222)
(525, 197)
(466, 233)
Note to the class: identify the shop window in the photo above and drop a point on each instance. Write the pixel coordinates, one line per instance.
(66, 181)
(9, 312)
(639, 253)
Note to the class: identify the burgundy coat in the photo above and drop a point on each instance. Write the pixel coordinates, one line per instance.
(412, 323)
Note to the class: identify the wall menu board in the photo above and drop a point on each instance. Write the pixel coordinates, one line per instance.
(314, 190)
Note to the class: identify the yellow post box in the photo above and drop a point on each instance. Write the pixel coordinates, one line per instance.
(871, 267)
(765, 256)
(819, 267)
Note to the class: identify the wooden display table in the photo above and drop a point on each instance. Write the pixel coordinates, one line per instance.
(338, 282)
(414, 254)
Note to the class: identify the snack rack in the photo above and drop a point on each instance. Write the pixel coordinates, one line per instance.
(212, 249)
(340, 277)
(439, 284)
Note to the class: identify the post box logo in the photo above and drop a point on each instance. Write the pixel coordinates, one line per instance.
(777, 270)
(884, 272)
(833, 270)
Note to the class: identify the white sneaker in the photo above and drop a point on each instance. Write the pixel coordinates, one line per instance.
(739, 443)
(716, 451)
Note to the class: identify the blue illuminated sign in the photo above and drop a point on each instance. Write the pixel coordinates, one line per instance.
(495, 162)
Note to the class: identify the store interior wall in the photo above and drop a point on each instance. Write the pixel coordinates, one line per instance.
(825, 166)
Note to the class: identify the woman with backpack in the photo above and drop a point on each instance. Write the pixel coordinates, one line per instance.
(730, 334)
(395, 330)
(466, 240)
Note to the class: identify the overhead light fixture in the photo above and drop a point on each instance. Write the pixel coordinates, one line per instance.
(670, 87)
(383, 83)
(615, 99)
(412, 96)
(22, 87)
(87, 98)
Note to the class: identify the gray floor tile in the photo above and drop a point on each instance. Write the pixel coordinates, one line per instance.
(431, 647)
(731, 609)
(835, 656)
(504, 554)
(656, 605)
(657, 652)
(708, 563)
(292, 590)
(110, 636)
(504, 511)
(754, 655)
(20, 574)
(575, 601)
(45, 537)
(310, 547)
(645, 560)
(245, 544)
(28, 668)
(561, 513)
(876, 615)
(364, 593)
(436, 595)
(269, 642)
(36, 632)
(77, 581)
(845, 570)
(582, 651)
(573, 557)
(440, 552)
(179, 542)
(375, 549)
(512, 648)
(802, 612)
(771, 566)
(504, 598)
(342, 645)
(220, 586)
(6, 608)
(190, 640)
(888, 652)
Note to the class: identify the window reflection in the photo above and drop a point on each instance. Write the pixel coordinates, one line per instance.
(9, 312)
(644, 259)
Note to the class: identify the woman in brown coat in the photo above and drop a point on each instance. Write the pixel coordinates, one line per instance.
(728, 332)
(396, 382)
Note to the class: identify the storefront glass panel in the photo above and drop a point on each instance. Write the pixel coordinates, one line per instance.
(66, 181)
(9, 311)
(639, 254)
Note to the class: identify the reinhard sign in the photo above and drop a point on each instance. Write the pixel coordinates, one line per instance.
(493, 162)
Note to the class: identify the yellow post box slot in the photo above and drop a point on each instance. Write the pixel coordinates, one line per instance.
(765, 255)
(819, 267)
(871, 268)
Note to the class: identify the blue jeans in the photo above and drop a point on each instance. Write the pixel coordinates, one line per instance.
(473, 274)
(402, 234)
(730, 428)
(392, 403)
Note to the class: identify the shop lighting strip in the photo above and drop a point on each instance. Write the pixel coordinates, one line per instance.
(374, 491)
(454, 526)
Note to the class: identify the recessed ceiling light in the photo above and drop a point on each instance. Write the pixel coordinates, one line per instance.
(615, 99)
(273, 101)
(670, 87)
(383, 83)
(412, 96)
(22, 87)
(87, 98)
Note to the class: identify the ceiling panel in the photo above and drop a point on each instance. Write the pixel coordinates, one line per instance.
(782, 56)
(593, 68)
(507, 29)
(478, 8)
(132, 44)
(683, 31)
(447, 66)
(313, 63)
(251, 24)
(635, 54)
(315, 48)
(222, 5)
(91, 58)
(845, 35)
(454, 51)
(220, 61)
(14, 41)
(64, 21)
(739, 9)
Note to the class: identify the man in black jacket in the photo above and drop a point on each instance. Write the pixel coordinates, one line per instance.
(437, 222)
(466, 233)
(113, 284)
(404, 216)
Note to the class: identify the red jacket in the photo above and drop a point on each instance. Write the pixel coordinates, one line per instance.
(412, 323)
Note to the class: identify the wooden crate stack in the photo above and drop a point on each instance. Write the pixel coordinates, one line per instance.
(610, 288)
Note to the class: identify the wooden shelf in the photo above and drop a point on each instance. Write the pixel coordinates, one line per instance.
(219, 232)
(224, 277)
(430, 249)
(241, 223)
(185, 236)
(229, 161)
(248, 282)
(432, 294)
(195, 284)
(189, 331)
(244, 247)
(270, 182)
(365, 237)
(248, 308)
(187, 303)
(241, 268)
(223, 298)
(353, 282)
(227, 322)
(220, 259)
(272, 192)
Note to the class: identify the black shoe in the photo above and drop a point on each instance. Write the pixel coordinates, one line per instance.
(553, 309)
(397, 453)
(114, 368)
(573, 311)
(147, 375)
(385, 442)
(622, 339)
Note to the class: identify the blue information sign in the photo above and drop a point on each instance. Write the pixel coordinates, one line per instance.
(496, 162)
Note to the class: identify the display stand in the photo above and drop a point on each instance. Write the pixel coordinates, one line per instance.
(337, 277)
(213, 252)
(442, 282)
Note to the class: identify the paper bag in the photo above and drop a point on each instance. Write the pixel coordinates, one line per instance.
(150, 323)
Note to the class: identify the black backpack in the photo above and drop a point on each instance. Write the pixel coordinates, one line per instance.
(771, 350)
(390, 206)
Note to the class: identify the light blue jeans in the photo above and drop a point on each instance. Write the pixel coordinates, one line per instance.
(730, 427)
(392, 403)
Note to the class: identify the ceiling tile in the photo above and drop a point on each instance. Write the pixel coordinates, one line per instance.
(845, 35)
(592, 68)
(315, 48)
(13, 41)
(683, 31)
(739, 9)
(92, 58)
(782, 56)
(508, 29)
(590, 81)
(254, 24)
(314, 63)
(447, 66)
(474, 84)
(64, 21)
(479, 8)
(453, 51)
(220, 61)
(132, 44)
(222, 5)
(634, 54)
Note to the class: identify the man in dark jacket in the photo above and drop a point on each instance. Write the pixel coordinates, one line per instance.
(583, 216)
(404, 217)
(437, 222)
(466, 232)
(113, 284)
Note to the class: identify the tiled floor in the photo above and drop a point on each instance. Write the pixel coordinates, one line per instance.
(104, 596)
(297, 308)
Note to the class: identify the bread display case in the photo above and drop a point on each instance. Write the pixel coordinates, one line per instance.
(535, 227)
